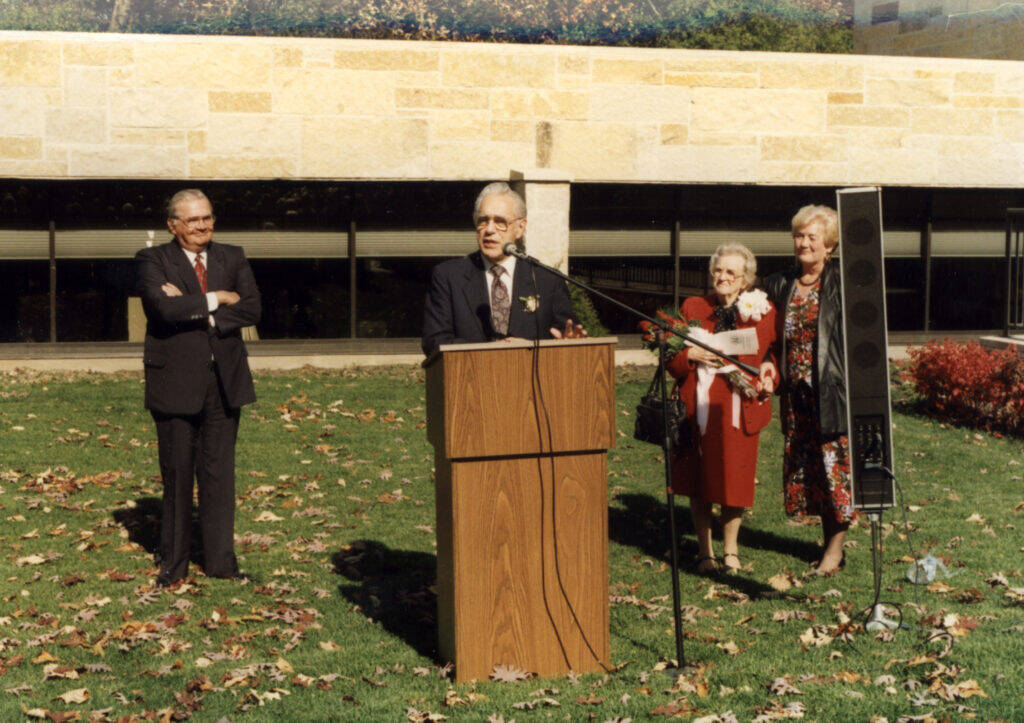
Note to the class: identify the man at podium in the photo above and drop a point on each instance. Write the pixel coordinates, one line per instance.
(490, 295)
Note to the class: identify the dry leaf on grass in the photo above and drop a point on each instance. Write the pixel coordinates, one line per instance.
(509, 674)
(784, 581)
(78, 695)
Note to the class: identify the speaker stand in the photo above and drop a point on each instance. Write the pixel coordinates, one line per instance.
(877, 621)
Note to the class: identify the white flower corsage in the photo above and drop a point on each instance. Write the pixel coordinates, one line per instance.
(530, 303)
(753, 305)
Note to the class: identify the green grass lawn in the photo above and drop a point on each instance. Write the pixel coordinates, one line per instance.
(335, 519)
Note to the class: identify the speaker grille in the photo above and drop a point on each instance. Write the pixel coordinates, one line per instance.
(867, 364)
(859, 232)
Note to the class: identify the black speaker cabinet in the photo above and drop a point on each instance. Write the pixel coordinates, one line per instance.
(866, 341)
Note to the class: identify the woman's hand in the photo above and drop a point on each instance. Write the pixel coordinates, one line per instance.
(703, 356)
(766, 378)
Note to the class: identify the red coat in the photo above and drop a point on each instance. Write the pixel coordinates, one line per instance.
(720, 467)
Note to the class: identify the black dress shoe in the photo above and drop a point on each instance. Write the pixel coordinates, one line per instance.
(242, 577)
(165, 580)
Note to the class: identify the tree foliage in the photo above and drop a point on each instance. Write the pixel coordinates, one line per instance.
(784, 25)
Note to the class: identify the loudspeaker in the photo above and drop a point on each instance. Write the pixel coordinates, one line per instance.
(865, 337)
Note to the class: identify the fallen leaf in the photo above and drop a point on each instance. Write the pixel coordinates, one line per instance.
(508, 674)
(78, 695)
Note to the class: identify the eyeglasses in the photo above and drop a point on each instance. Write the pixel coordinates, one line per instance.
(195, 221)
(500, 223)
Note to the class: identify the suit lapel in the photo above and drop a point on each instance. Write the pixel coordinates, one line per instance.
(216, 273)
(183, 269)
(474, 287)
(521, 323)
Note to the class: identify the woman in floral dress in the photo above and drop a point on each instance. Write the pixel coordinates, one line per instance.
(816, 465)
(726, 414)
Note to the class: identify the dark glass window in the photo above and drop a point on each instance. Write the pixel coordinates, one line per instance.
(390, 296)
(303, 298)
(25, 298)
(643, 283)
(904, 294)
(968, 293)
(92, 299)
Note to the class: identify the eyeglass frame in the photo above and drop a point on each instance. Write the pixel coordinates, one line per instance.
(500, 226)
(193, 223)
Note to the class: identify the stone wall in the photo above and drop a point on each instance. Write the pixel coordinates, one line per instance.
(192, 108)
(940, 28)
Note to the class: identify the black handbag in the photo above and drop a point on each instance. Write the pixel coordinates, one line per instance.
(649, 423)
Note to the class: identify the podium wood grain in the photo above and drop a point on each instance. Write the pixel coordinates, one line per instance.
(522, 516)
(573, 409)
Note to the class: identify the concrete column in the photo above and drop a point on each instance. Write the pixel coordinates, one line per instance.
(547, 206)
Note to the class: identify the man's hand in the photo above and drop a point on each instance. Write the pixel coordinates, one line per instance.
(227, 298)
(571, 331)
(766, 378)
(170, 289)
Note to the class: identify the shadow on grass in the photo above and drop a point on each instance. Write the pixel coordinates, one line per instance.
(393, 588)
(143, 525)
(643, 524)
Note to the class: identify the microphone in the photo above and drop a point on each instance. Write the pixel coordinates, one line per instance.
(510, 249)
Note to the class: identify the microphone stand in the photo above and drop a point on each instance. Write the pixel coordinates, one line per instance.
(659, 330)
(511, 249)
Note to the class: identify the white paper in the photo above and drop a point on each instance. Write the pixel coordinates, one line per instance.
(736, 342)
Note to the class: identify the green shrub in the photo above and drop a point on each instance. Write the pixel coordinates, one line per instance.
(785, 25)
(585, 313)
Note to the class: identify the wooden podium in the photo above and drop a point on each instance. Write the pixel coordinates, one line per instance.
(520, 432)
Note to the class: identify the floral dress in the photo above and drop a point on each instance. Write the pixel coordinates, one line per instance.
(815, 469)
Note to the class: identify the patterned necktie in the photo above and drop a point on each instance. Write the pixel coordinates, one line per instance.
(201, 272)
(500, 304)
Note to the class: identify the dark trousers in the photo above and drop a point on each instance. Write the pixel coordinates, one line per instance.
(200, 447)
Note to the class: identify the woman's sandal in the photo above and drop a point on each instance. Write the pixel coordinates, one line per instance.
(731, 569)
(816, 572)
(707, 565)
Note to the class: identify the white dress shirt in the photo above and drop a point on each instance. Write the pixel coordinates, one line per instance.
(211, 296)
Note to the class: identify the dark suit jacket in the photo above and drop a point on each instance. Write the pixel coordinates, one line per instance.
(829, 371)
(179, 340)
(458, 309)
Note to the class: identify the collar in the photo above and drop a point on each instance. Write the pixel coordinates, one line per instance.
(508, 263)
(191, 255)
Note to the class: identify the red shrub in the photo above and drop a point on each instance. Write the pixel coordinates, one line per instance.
(968, 384)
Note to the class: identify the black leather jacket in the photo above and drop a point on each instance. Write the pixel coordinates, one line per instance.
(827, 377)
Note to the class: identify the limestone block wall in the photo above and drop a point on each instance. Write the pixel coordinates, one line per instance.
(195, 108)
(940, 28)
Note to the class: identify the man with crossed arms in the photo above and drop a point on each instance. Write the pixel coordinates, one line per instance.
(197, 295)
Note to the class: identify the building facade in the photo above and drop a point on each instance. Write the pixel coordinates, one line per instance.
(347, 167)
(940, 28)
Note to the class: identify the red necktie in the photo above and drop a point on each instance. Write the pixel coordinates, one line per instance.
(201, 272)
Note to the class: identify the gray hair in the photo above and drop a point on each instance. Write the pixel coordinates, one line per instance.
(827, 217)
(186, 194)
(749, 260)
(499, 188)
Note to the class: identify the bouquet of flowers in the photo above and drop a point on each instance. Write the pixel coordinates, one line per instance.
(670, 323)
(692, 328)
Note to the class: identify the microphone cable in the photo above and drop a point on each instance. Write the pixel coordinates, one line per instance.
(540, 405)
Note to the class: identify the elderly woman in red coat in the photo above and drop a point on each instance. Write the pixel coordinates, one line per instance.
(726, 409)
